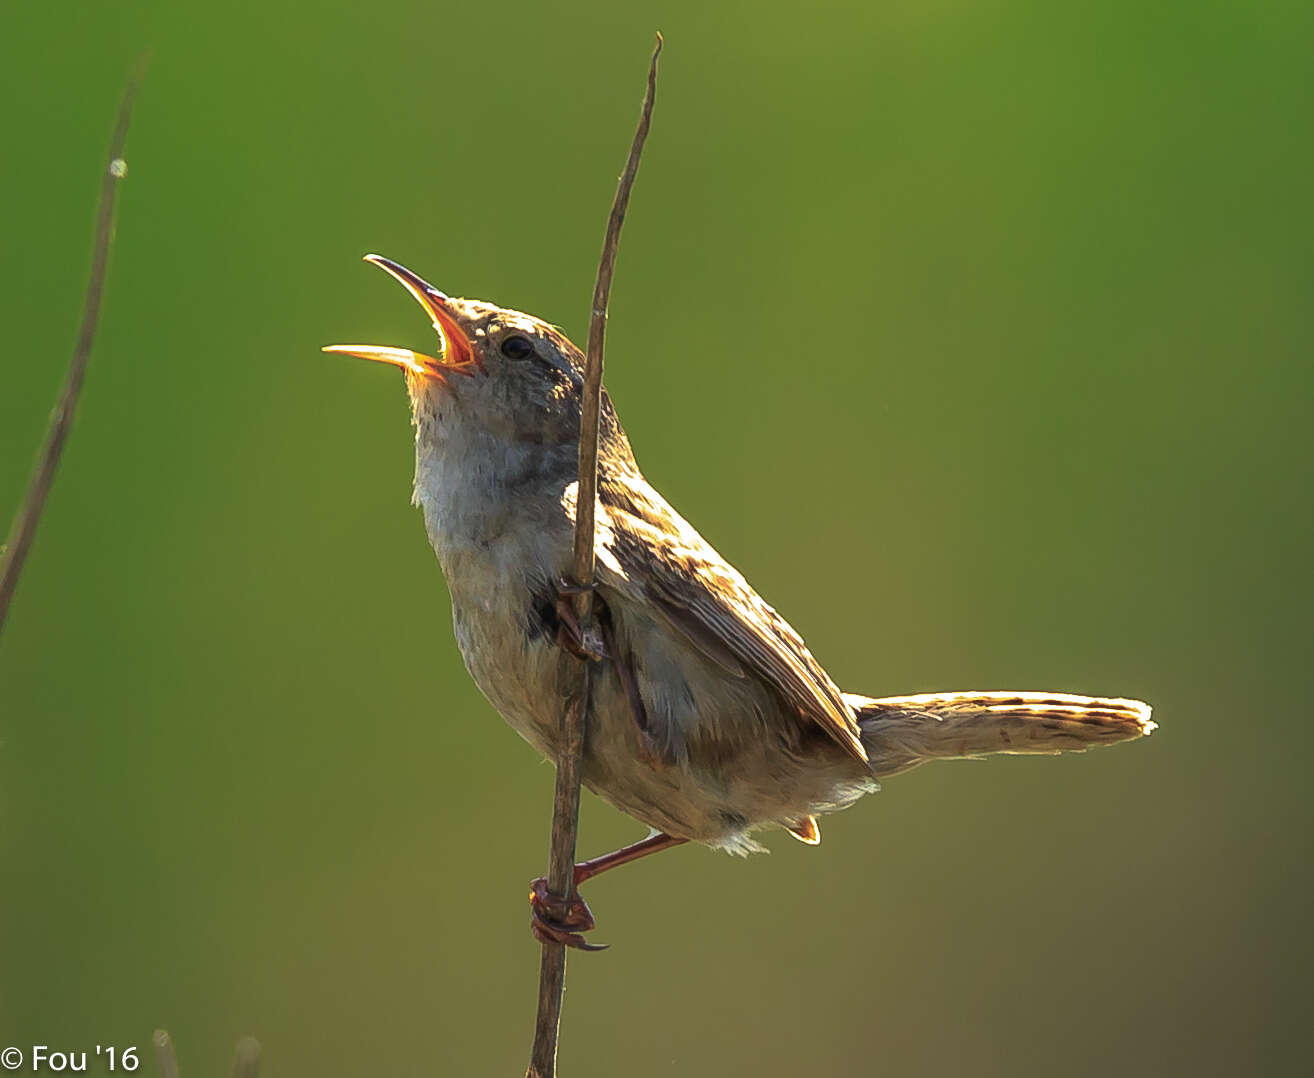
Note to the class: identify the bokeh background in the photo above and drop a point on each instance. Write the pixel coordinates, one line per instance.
(977, 335)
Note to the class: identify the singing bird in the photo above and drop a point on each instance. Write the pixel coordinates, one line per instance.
(711, 719)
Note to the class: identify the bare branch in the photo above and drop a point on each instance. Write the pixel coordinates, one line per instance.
(565, 807)
(592, 402)
(20, 539)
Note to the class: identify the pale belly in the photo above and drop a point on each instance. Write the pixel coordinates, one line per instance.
(729, 769)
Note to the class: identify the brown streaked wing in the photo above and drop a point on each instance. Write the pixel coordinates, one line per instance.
(713, 606)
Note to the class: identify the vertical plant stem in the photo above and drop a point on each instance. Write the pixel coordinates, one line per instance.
(25, 525)
(164, 1053)
(246, 1058)
(565, 806)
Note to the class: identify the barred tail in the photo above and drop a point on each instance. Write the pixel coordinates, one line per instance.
(900, 732)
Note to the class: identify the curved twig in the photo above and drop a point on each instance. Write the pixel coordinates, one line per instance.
(565, 807)
(25, 525)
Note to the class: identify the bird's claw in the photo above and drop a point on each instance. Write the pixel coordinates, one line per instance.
(566, 586)
(586, 644)
(554, 919)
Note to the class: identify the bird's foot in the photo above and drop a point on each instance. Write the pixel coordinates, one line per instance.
(554, 919)
(586, 644)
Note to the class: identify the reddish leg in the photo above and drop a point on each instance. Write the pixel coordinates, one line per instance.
(601, 644)
(561, 920)
(623, 664)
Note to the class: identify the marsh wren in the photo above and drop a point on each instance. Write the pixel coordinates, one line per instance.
(711, 719)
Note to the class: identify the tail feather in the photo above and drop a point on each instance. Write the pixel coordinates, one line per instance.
(900, 732)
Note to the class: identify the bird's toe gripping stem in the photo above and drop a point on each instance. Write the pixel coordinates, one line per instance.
(554, 919)
(583, 643)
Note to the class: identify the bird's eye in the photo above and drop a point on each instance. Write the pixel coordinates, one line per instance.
(517, 347)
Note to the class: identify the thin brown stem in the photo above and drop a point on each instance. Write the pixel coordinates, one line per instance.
(591, 404)
(565, 807)
(25, 525)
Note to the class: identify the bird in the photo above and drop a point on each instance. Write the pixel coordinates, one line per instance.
(711, 719)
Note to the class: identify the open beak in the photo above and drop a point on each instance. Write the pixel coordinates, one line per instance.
(458, 355)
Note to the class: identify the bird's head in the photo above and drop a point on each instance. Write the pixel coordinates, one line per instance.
(510, 374)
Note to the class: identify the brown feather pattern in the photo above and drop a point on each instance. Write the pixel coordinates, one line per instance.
(707, 600)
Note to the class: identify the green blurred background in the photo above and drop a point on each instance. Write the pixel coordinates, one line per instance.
(977, 335)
